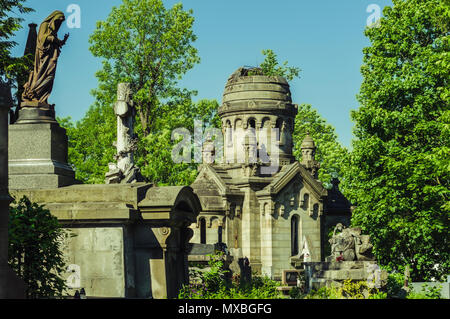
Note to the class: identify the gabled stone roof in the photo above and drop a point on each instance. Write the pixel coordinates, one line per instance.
(286, 174)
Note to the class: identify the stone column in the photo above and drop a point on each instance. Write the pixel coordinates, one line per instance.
(10, 285)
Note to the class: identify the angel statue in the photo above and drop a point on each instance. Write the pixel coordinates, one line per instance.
(48, 47)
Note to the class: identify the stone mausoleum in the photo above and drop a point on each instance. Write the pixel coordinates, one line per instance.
(270, 209)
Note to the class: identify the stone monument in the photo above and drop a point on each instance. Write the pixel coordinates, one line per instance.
(262, 202)
(124, 171)
(10, 285)
(37, 144)
(350, 245)
(351, 258)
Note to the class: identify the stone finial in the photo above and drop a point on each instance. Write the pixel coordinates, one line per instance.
(308, 148)
(30, 47)
(208, 152)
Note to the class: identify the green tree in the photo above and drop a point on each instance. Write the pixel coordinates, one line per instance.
(149, 46)
(12, 69)
(270, 67)
(400, 165)
(34, 249)
(330, 153)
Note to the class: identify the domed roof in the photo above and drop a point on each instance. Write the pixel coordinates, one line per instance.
(308, 142)
(248, 89)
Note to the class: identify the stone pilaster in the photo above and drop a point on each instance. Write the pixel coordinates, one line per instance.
(10, 285)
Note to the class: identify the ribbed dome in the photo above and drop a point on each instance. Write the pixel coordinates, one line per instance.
(264, 103)
(255, 92)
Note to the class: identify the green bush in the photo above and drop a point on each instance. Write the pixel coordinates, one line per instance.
(349, 290)
(395, 282)
(217, 284)
(34, 249)
(426, 293)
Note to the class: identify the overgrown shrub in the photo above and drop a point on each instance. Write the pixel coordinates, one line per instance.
(217, 284)
(34, 249)
(349, 290)
(426, 293)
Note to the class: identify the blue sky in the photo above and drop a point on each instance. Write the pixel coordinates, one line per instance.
(324, 38)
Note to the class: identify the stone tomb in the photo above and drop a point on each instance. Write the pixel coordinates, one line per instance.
(123, 241)
(270, 207)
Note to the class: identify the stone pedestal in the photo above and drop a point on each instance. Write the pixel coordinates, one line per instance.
(38, 156)
(333, 274)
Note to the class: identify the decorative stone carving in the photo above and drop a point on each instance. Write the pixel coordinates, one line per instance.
(124, 171)
(350, 245)
(208, 152)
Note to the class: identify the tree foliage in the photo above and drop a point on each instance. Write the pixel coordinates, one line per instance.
(12, 68)
(145, 44)
(330, 153)
(34, 249)
(400, 165)
(142, 43)
(270, 67)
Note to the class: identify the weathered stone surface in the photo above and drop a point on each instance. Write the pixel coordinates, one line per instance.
(264, 215)
(350, 244)
(124, 171)
(126, 244)
(320, 274)
(99, 254)
(38, 157)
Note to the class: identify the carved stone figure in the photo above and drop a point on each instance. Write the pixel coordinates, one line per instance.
(124, 171)
(350, 245)
(48, 47)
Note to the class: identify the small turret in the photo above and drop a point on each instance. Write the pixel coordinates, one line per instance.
(309, 155)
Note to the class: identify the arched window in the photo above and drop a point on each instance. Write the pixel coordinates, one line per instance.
(294, 235)
(202, 231)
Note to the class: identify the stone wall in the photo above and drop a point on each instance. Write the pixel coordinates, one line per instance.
(98, 253)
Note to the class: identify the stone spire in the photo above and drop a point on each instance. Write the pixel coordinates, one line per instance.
(30, 47)
(309, 155)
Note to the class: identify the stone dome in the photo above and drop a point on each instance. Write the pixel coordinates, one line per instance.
(253, 100)
(244, 93)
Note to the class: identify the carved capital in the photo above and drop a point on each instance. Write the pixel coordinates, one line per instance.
(161, 234)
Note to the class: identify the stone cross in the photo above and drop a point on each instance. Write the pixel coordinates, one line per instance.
(124, 171)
